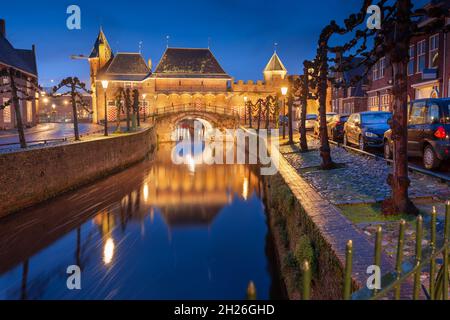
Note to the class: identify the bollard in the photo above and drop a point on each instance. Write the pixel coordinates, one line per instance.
(348, 270)
(419, 234)
(446, 244)
(306, 281)
(433, 251)
(251, 291)
(378, 247)
(398, 264)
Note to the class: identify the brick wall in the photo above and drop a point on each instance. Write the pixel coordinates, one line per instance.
(29, 177)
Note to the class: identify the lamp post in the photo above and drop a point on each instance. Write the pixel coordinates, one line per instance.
(245, 111)
(144, 95)
(105, 84)
(284, 91)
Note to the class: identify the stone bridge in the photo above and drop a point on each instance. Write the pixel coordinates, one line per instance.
(168, 118)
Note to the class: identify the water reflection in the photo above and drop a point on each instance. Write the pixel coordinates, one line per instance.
(154, 231)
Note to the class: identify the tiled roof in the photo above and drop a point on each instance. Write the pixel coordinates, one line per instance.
(125, 67)
(23, 60)
(189, 63)
(358, 70)
(275, 64)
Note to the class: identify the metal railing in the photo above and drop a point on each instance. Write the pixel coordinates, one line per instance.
(438, 285)
(191, 107)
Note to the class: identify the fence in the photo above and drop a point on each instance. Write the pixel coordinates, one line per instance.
(391, 283)
(194, 108)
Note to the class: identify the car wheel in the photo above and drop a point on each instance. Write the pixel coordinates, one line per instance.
(430, 159)
(387, 150)
(345, 140)
(361, 144)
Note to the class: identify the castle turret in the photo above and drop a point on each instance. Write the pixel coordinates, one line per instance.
(275, 70)
(100, 55)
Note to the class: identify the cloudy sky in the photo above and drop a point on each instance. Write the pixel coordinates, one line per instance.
(242, 33)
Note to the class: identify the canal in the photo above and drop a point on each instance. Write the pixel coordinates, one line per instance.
(154, 231)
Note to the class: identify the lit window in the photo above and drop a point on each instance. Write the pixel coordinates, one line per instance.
(434, 51)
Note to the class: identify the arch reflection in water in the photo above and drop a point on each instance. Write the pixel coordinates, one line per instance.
(154, 231)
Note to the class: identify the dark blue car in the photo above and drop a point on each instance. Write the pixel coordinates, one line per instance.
(366, 129)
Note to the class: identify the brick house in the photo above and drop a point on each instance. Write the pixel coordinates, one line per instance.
(428, 71)
(23, 61)
(346, 100)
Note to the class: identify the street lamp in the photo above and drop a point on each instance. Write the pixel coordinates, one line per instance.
(144, 95)
(245, 111)
(284, 91)
(105, 84)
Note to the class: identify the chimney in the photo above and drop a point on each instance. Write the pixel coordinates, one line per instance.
(2, 28)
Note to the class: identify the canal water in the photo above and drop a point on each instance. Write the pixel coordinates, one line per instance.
(154, 231)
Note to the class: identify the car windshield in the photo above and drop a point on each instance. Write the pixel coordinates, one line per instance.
(344, 119)
(330, 116)
(311, 117)
(375, 118)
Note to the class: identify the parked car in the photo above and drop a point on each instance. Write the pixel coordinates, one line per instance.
(366, 129)
(309, 122)
(336, 127)
(329, 116)
(428, 132)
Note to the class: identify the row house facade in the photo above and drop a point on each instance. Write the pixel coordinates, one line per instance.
(428, 71)
(23, 61)
(350, 98)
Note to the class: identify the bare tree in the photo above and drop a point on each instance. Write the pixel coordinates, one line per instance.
(75, 88)
(20, 89)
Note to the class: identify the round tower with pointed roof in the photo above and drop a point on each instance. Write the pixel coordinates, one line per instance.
(100, 55)
(274, 71)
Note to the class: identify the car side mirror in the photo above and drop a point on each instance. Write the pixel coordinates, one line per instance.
(389, 122)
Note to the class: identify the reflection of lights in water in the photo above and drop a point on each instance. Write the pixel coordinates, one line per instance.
(108, 251)
(245, 189)
(145, 192)
(190, 163)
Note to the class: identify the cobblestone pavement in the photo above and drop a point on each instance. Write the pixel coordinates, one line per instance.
(362, 179)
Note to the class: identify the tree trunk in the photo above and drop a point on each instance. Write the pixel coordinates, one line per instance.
(75, 115)
(399, 57)
(304, 103)
(325, 152)
(18, 113)
(290, 130)
(250, 115)
(267, 114)
(259, 114)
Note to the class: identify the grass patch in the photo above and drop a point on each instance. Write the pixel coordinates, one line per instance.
(370, 212)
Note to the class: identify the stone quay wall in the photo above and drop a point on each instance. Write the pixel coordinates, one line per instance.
(35, 175)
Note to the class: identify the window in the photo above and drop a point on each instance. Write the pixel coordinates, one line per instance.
(418, 112)
(6, 112)
(433, 113)
(412, 56)
(382, 67)
(29, 111)
(421, 50)
(375, 72)
(434, 51)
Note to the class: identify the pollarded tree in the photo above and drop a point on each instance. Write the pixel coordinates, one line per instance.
(118, 99)
(136, 109)
(399, 25)
(20, 89)
(75, 88)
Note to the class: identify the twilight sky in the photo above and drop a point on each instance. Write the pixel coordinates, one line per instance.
(242, 32)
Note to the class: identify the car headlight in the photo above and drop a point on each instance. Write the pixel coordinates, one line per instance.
(371, 135)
